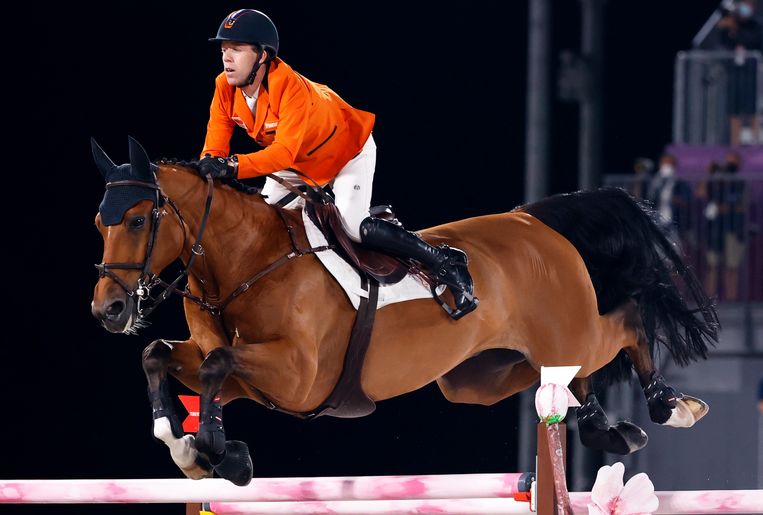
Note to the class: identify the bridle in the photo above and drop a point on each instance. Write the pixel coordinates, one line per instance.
(148, 280)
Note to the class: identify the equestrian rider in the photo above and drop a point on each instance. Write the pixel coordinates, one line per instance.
(305, 126)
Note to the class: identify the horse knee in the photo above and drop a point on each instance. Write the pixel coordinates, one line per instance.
(156, 356)
(216, 366)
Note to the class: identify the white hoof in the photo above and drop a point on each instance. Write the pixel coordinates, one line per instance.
(192, 470)
(687, 412)
(183, 450)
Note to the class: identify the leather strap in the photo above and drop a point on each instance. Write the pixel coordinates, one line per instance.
(348, 400)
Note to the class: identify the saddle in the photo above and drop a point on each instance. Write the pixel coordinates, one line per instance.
(347, 399)
(385, 269)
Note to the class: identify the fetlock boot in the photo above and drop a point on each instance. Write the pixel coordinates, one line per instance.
(447, 264)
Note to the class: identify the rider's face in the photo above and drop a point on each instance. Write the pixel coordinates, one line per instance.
(238, 61)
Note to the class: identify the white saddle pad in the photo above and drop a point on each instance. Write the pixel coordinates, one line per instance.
(409, 288)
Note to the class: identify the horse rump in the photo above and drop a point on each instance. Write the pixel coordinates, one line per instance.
(629, 256)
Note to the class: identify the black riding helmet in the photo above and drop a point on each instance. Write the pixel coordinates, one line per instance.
(252, 27)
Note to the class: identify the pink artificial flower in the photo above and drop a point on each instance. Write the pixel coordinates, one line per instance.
(551, 400)
(610, 497)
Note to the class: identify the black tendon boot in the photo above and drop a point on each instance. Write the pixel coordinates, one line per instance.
(447, 264)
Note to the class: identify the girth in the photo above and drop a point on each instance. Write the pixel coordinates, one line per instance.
(348, 400)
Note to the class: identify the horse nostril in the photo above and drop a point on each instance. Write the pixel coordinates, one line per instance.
(115, 309)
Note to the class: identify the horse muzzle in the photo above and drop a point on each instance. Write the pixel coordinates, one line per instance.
(117, 314)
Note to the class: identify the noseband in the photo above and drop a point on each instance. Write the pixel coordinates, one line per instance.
(148, 280)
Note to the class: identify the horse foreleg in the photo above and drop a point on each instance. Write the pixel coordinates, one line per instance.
(593, 426)
(230, 458)
(181, 357)
(667, 406)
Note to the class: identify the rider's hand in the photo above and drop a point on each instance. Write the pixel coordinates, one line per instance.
(219, 167)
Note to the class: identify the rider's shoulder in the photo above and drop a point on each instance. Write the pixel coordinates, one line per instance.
(283, 78)
(279, 71)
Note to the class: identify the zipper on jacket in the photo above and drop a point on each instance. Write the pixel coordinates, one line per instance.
(324, 141)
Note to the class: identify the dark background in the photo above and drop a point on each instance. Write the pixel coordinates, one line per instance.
(448, 87)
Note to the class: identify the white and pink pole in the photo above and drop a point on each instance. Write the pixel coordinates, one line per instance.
(692, 501)
(390, 507)
(366, 488)
(470, 494)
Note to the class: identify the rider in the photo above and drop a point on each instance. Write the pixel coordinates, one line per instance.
(305, 126)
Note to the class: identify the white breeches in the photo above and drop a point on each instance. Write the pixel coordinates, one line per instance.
(352, 188)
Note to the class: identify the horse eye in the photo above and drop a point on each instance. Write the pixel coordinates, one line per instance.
(137, 222)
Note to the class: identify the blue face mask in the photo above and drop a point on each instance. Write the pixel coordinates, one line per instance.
(744, 10)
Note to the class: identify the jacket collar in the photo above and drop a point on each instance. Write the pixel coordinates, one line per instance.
(241, 108)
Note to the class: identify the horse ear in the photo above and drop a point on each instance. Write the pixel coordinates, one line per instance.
(139, 161)
(104, 164)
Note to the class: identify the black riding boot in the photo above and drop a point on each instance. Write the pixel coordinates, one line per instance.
(448, 264)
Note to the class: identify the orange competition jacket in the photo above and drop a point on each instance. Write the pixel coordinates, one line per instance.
(302, 125)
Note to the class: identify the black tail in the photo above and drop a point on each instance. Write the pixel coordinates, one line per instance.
(629, 256)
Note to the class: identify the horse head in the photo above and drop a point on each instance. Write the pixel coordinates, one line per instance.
(136, 246)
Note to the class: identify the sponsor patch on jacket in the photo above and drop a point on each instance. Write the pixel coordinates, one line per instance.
(271, 125)
(239, 122)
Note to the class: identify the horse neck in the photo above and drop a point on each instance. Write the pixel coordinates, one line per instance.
(239, 235)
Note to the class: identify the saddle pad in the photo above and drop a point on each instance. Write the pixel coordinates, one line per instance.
(409, 288)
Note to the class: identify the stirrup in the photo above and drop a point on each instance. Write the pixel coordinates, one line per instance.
(459, 311)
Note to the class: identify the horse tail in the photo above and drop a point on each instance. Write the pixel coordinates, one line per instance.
(629, 256)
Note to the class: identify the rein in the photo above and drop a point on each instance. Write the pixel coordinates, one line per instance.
(147, 281)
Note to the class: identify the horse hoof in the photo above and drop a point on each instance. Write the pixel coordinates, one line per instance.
(193, 464)
(237, 466)
(687, 412)
(627, 438)
(201, 468)
(622, 438)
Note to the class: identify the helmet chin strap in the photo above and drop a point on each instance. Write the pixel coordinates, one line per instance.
(255, 69)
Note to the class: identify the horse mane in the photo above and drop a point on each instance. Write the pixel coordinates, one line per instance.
(194, 165)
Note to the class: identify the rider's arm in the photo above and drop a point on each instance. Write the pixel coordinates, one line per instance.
(292, 124)
(220, 126)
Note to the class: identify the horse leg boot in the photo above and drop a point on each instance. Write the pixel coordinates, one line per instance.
(667, 406)
(448, 264)
(156, 359)
(231, 459)
(594, 429)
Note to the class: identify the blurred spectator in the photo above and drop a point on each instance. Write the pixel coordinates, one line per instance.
(670, 196)
(725, 196)
(642, 169)
(741, 32)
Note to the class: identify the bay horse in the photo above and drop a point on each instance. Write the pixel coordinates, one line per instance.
(586, 278)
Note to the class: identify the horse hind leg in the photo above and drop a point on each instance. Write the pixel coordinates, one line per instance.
(157, 358)
(594, 429)
(667, 406)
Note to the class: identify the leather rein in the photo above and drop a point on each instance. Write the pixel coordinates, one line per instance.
(148, 280)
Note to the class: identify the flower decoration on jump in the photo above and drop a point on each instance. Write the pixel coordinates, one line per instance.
(609, 496)
(553, 396)
(551, 402)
